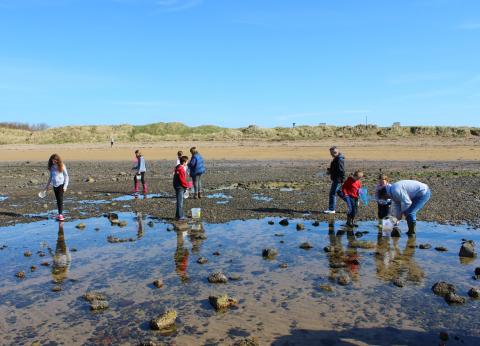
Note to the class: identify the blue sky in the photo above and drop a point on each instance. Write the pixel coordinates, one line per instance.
(239, 62)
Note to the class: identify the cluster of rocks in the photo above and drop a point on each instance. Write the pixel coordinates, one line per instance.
(113, 240)
(448, 292)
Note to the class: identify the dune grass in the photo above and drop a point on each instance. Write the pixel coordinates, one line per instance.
(177, 131)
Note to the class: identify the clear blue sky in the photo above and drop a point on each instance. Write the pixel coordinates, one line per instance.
(240, 62)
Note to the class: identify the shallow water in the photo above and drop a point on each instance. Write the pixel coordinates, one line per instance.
(223, 198)
(276, 305)
(3, 198)
(139, 196)
(261, 198)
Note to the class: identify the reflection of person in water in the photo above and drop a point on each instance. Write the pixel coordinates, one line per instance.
(139, 225)
(181, 258)
(392, 263)
(339, 259)
(61, 257)
(197, 236)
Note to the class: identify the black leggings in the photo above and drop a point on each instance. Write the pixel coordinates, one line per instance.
(59, 196)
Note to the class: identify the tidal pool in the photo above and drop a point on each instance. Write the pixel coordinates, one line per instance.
(140, 196)
(292, 305)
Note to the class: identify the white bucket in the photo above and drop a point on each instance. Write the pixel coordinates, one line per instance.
(42, 194)
(196, 213)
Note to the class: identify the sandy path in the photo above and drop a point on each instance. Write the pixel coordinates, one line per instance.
(404, 150)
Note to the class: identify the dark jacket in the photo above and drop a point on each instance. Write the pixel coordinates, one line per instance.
(180, 177)
(337, 168)
(196, 165)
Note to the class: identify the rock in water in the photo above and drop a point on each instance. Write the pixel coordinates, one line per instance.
(306, 246)
(91, 296)
(222, 302)
(217, 278)
(164, 321)
(344, 280)
(398, 282)
(452, 298)
(271, 222)
(96, 305)
(474, 292)
(202, 260)
(284, 222)
(477, 271)
(269, 253)
(425, 246)
(158, 283)
(300, 226)
(467, 249)
(441, 248)
(283, 265)
(443, 288)
(329, 248)
(27, 254)
(80, 226)
(122, 223)
(316, 224)
(326, 288)
(20, 275)
(444, 336)
(112, 216)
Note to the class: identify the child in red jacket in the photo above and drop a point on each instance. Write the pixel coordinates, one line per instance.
(180, 185)
(349, 193)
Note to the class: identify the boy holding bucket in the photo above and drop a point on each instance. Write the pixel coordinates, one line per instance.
(180, 184)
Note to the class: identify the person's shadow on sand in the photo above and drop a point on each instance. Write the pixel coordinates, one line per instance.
(372, 336)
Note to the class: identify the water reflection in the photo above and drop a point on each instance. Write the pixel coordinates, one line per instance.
(61, 258)
(181, 257)
(393, 263)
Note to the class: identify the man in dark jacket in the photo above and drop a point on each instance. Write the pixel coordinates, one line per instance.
(337, 175)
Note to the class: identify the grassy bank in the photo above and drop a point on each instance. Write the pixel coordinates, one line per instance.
(178, 131)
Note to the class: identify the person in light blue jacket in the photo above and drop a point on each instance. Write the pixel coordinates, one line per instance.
(197, 168)
(408, 197)
(140, 169)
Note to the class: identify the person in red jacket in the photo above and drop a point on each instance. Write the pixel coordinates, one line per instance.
(180, 185)
(349, 193)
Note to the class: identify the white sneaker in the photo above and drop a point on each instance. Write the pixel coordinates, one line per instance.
(329, 212)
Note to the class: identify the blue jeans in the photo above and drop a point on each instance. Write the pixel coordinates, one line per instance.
(352, 205)
(332, 196)
(179, 191)
(418, 202)
(197, 183)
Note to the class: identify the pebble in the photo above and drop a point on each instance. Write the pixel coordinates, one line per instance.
(284, 222)
(441, 248)
(202, 260)
(306, 246)
(80, 226)
(27, 254)
(326, 288)
(271, 222)
(158, 283)
(425, 246)
(300, 226)
(329, 248)
(283, 265)
(316, 224)
(20, 275)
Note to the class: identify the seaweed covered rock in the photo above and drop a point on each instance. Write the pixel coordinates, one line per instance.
(163, 321)
(443, 288)
(217, 278)
(222, 302)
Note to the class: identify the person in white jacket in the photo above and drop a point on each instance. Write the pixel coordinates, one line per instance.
(408, 197)
(59, 179)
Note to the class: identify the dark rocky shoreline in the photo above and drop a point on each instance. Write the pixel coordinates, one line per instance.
(296, 189)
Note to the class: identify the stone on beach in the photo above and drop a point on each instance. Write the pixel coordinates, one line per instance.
(269, 253)
(217, 278)
(80, 225)
(452, 298)
(164, 321)
(306, 246)
(284, 222)
(467, 249)
(222, 302)
(442, 288)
